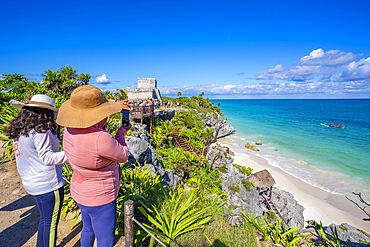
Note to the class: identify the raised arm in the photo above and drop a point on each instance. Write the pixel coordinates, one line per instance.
(113, 148)
(43, 143)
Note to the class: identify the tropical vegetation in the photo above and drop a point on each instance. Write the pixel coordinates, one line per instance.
(193, 213)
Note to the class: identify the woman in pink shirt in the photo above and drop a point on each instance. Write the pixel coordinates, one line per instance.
(93, 154)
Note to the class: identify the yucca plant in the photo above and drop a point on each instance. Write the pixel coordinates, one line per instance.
(263, 228)
(182, 219)
(167, 127)
(156, 139)
(293, 237)
(279, 231)
(140, 186)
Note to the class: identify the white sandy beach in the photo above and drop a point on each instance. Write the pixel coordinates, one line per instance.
(310, 197)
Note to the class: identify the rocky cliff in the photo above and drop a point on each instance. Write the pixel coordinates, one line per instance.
(213, 120)
(242, 196)
(141, 152)
(219, 124)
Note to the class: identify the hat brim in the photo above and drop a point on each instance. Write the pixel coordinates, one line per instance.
(20, 105)
(69, 116)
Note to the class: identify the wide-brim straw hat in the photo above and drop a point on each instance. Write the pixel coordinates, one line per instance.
(38, 100)
(86, 107)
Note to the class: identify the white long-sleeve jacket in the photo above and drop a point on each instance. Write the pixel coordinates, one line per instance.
(39, 162)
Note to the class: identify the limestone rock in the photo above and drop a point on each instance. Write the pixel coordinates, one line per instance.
(246, 200)
(170, 179)
(220, 125)
(251, 147)
(258, 143)
(139, 131)
(235, 220)
(217, 157)
(288, 207)
(142, 153)
(167, 114)
(348, 233)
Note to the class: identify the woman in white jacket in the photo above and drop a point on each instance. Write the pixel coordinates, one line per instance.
(39, 161)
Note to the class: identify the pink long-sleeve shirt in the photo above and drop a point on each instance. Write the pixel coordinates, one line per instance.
(93, 154)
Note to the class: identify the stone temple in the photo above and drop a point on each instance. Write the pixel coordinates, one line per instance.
(146, 89)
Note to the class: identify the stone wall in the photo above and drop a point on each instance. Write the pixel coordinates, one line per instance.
(140, 94)
(146, 83)
(146, 89)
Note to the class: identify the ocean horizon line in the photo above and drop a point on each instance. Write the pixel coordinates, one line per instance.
(231, 98)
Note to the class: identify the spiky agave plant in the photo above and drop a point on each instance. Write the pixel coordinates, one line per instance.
(183, 218)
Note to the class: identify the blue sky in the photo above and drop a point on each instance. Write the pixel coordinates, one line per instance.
(227, 49)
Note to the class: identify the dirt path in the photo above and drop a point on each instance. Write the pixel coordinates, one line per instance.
(19, 216)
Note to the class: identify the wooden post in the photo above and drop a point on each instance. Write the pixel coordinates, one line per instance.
(270, 192)
(142, 114)
(129, 223)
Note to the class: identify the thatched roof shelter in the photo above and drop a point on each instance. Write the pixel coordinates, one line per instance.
(262, 179)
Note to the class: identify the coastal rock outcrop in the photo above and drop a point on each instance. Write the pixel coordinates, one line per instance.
(239, 196)
(218, 157)
(215, 121)
(167, 114)
(141, 152)
(258, 143)
(348, 233)
(251, 147)
(220, 125)
(291, 211)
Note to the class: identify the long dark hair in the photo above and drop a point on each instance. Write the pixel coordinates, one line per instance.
(38, 119)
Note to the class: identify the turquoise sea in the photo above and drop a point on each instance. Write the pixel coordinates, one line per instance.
(297, 138)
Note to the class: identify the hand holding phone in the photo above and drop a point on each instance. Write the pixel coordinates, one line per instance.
(125, 118)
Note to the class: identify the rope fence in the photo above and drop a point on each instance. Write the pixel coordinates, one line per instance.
(129, 225)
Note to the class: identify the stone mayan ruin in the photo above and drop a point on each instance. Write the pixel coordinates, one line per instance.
(146, 89)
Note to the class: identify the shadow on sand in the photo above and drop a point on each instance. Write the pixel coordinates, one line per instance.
(19, 233)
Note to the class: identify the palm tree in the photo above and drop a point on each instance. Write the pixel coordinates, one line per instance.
(120, 94)
(64, 81)
(50, 79)
(84, 78)
(68, 72)
(179, 94)
(108, 95)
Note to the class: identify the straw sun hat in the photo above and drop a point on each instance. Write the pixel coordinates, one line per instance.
(86, 107)
(38, 100)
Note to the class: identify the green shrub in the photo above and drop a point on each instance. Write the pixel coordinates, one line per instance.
(223, 169)
(343, 228)
(247, 184)
(271, 215)
(243, 169)
(367, 234)
(234, 188)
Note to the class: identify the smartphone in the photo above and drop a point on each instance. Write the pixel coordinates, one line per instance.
(125, 118)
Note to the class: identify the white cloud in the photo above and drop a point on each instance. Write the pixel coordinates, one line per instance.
(102, 79)
(274, 89)
(317, 64)
(228, 87)
(294, 73)
(330, 58)
(272, 73)
(355, 71)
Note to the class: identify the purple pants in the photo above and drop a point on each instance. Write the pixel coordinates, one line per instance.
(99, 221)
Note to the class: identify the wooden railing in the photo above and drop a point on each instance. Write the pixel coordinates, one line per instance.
(142, 111)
